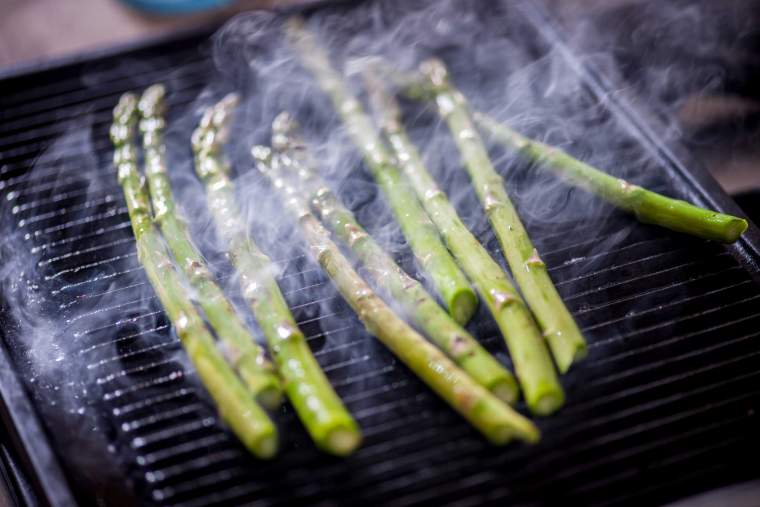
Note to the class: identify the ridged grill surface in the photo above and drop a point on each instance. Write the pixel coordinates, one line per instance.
(664, 405)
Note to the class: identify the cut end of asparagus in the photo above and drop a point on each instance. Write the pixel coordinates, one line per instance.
(463, 306)
(531, 435)
(519, 427)
(270, 397)
(501, 436)
(547, 403)
(506, 390)
(342, 441)
(266, 447)
(578, 354)
(735, 229)
(567, 348)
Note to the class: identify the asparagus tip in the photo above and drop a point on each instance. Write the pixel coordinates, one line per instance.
(123, 115)
(126, 106)
(151, 99)
(283, 128)
(436, 71)
(262, 155)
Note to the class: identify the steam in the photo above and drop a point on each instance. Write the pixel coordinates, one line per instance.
(82, 323)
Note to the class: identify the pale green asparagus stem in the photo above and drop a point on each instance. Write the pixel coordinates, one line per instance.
(543, 392)
(494, 419)
(247, 420)
(239, 345)
(419, 231)
(458, 344)
(318, 406)
(559, 328)
(647, 206)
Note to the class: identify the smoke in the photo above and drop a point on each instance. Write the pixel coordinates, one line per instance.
(88, 321)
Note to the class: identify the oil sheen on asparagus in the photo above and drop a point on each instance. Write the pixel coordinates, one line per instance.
(559, 328)
(237, 407)
(318, 406)
(423, 310)
(535, 371)
(419, 231)
(239, 345)
(494, 419)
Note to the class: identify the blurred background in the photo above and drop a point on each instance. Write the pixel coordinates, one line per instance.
(717, 111)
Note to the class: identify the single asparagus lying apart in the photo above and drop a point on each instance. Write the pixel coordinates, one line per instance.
(239, 345)
(328, 422)
(496, 420)
(458, 344)
(236, 406)
(649, 207)
(419, 231)
(533, 364)
(559, 328)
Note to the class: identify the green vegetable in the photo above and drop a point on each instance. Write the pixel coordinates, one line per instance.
(535, 371)
(419, 231)
(248, 421)
(239, 345)
(560, 330)
(493, 418)
(458, 344)
(647, 206)
(323, 414)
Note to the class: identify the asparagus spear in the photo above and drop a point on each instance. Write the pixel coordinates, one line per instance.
(247, 420)
(533, 364)
(494, 419)
(419, 231)
(458, 344)
(565, 339)
(328, 422)
(647, 206)
(239, 345)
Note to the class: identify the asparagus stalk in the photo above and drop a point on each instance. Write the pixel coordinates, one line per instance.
(239, 345)
(560, 330)
(647, 206)
(320, 409)
(419, 231)
(533, 364)
(248, 421)
(494, 419)
(458, 344)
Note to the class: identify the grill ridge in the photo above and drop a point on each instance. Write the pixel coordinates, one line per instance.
(663, 406)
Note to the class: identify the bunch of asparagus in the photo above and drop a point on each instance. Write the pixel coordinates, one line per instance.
(331, 426)
(402, 163)
(419, 306)
(238, 397)
(493, 418)
(235, 400)
(234, 369)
